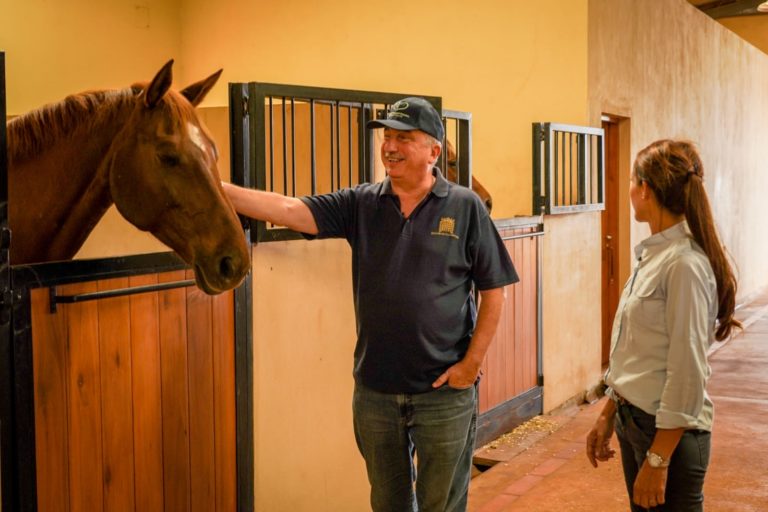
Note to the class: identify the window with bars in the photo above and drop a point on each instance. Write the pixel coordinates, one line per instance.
(568, 168)
(299, 141)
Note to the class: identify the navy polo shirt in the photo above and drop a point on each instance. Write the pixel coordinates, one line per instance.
(412, 278)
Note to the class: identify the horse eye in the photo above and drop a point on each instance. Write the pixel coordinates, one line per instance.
(169, 160)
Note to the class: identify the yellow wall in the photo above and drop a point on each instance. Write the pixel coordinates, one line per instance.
(571, 305)
(56, 48)
(509, 63)
(677, 73)
(53, 49)
(755, 33)
(506, 62)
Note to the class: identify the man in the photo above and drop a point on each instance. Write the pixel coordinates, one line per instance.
(418, 244)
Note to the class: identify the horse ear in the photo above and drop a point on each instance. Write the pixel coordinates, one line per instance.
(159, 85)
(196, 92)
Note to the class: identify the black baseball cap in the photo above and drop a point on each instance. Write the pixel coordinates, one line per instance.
(412, 114)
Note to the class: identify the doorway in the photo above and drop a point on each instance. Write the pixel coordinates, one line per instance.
(615, 222)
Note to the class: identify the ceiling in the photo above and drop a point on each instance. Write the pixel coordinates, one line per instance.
(739, 16)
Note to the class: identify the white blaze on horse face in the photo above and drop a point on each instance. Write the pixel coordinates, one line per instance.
(199, 139)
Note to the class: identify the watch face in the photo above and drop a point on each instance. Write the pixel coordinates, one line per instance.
(655, 460)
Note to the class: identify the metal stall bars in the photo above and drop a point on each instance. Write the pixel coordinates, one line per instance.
(299, 140)
(568, 169)
(458, 134)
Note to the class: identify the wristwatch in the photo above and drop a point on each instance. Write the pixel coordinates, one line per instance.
(655, 460)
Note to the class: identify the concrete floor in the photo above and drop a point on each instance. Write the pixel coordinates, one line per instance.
(550, 472)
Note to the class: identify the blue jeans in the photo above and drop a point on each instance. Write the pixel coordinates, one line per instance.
(438, 427)
(635, 430)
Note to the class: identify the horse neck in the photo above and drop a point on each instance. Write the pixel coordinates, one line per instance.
(63, 176)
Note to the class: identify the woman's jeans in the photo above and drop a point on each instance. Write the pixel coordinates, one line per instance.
(438, 427)
(685, 478)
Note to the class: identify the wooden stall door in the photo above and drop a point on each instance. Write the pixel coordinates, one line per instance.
(510, 368)
(135, 399)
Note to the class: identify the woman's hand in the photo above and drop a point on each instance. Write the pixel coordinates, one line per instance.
(599, 438)
(650, 485)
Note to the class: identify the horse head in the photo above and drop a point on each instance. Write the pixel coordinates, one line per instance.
(163, 178)
(452, 175)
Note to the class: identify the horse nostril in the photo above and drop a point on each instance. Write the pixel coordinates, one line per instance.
(227, 267)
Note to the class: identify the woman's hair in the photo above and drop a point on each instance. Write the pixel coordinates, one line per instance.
(674, 172)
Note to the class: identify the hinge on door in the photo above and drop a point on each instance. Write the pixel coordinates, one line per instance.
(5, 238)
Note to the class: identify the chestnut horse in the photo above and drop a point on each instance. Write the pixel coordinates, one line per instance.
(142, 148)
(451, 174)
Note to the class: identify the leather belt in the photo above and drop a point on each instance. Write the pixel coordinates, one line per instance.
(620, 399)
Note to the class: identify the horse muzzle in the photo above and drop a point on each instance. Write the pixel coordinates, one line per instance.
(222, 272)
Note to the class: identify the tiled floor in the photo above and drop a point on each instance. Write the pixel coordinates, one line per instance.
(553, 474)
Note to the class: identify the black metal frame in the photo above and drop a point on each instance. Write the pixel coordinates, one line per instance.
(8, 465)
(463, 148)
(17, 421)
(549, 173)
(250, 135)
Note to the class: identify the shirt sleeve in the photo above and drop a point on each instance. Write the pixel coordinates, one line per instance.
(333, 213)
(691, 294)
(491, 264)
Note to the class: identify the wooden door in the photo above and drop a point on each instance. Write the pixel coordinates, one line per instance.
(510, 367)
(610, 235)
(135, 399)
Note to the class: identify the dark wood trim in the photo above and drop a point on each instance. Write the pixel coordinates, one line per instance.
(66, 272)
(505, 417)
(242, 146)
(244, 395)
(24, 399)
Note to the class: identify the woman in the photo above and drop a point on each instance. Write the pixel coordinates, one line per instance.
(680, 296)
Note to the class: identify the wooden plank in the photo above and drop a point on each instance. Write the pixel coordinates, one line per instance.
(175, 394)
(223, 316)
(482, 390)
(506, 416)
(527, 313)
(49, 349)
(147, 409)
(531, 312)
(519, 322)
(84, 389)
(201, 405)
(537, 334)
(494, 371)
(509, 331)
(116, 397)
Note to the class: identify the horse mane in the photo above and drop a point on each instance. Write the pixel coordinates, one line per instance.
(38, 130)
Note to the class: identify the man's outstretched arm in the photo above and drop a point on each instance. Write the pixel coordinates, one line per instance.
(278, 209)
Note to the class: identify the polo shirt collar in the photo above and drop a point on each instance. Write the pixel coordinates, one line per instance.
(440, 187)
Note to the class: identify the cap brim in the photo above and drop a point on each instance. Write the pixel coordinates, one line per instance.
(390, 123)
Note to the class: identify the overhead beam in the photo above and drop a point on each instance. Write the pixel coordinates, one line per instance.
(727, 9)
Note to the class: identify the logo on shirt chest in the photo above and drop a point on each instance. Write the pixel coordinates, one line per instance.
(446, 227)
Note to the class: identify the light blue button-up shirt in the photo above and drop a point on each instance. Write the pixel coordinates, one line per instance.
(663, 327)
